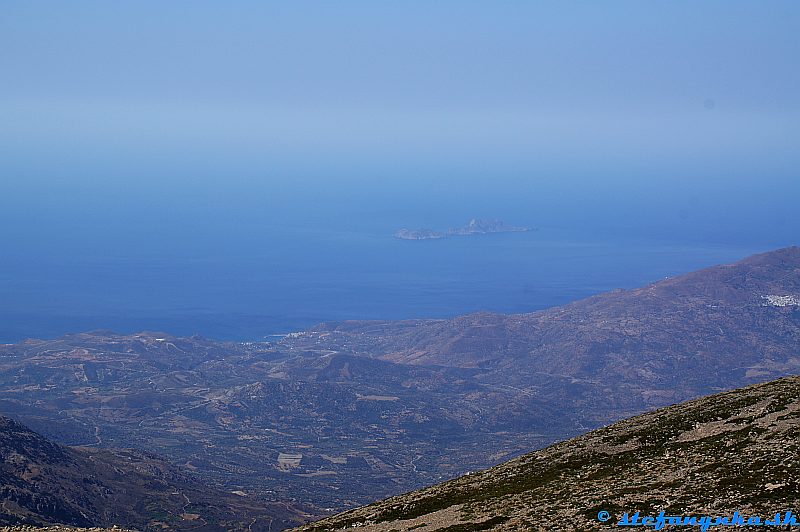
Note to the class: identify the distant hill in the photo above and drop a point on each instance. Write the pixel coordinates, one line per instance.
(735, 451)
(349, 412)
(618, 352)
(44, 483)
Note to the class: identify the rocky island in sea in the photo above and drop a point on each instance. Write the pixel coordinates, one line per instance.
(474, 227)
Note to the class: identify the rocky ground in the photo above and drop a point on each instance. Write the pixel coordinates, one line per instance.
(735, 451)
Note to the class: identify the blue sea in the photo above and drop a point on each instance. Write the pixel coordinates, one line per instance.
(243, 259)
(287, 279)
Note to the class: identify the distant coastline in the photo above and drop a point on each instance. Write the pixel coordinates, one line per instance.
(474, 227)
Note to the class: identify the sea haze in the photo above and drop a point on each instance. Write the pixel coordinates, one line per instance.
(247, 260)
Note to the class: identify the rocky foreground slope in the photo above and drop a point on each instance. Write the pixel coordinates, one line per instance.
(735, 451)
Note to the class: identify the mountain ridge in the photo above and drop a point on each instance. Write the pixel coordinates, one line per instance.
(725, 291)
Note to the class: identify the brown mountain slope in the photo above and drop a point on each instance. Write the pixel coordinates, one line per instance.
(702, 332)
(708, 302)
(44, 483)
(736, 451)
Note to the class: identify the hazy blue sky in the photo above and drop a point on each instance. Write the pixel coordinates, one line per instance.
(531, 81)
(107, 106)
